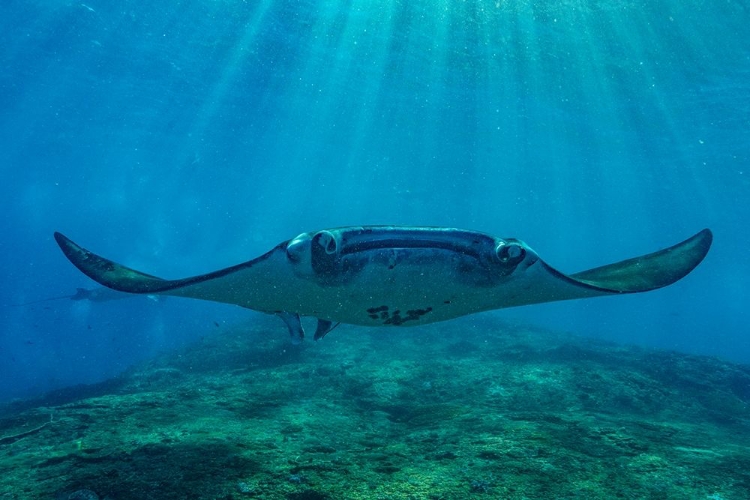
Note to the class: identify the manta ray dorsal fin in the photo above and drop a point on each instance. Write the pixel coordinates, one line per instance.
(649, 272)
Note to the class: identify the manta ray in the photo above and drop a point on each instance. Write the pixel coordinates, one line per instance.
(100, 294)
(396, 276)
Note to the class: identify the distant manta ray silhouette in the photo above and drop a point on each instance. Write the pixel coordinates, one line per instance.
(397, 276)
(102, 294)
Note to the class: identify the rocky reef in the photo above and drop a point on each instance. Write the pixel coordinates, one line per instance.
(473, 408)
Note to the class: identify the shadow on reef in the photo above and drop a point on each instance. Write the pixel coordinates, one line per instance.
(456, 410)
(166, 470)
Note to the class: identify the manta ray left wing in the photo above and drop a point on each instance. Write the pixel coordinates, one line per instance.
(265, 284)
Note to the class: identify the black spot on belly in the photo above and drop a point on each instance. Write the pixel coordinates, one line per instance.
(417, 313)
(396, 318)
(380, 312)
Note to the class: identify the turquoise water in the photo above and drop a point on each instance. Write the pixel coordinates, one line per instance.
(187, 137)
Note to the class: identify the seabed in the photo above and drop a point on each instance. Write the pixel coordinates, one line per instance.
(473, 408)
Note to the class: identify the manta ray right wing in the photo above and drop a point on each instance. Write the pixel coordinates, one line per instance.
(542, 283)
(649, 272)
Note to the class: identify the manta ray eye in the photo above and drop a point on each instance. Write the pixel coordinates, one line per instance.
(509, 253)
(327, 241)
(324, 256)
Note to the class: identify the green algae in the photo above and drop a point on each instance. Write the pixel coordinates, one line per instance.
(464, 409)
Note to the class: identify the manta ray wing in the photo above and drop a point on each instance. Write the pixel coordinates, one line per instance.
(543, 283)
(259, 284)
(652, 271)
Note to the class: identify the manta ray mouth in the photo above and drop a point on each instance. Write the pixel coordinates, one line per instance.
(402, 243)
(368, 239)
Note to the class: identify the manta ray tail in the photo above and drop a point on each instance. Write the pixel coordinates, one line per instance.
(649, 272)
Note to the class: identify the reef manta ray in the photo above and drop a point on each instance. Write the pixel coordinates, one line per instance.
(397, 276)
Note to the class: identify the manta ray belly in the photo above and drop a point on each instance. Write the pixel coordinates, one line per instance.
(401, 287)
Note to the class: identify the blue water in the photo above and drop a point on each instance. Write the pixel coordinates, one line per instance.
(183, 137)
